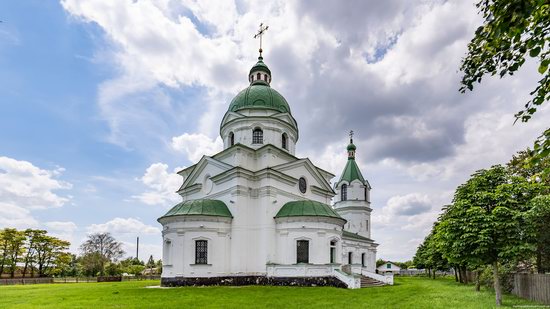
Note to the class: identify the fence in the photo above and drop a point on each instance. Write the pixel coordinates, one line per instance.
(533, 286)
(70, 280)
(25, 281)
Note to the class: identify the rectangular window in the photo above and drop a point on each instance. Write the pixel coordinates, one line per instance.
(363, 259)
(367, 225)
(388, 266)
(302, 251)
(350, 257)
(201, 252)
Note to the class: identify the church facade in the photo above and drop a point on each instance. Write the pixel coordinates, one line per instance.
(254, 213)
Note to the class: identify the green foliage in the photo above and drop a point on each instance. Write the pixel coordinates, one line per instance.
(100, 249)
(511, 31)
(538, 218)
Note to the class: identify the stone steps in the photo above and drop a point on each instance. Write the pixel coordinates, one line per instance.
(367, 282)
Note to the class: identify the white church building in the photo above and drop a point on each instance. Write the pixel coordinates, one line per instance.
(255, 213)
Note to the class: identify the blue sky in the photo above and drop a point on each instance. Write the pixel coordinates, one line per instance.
(103, 100)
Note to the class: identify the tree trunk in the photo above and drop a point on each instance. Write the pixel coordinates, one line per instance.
(434, 273)
(456, 274)
(498, 293)
(478, 282)
(540, 268)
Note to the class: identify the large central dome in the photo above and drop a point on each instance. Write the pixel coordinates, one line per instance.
(259, 94)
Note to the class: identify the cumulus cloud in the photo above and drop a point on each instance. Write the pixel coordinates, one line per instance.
(196, 145)
(122, 226)
(28, 186)
(162, 184)
(13, 216)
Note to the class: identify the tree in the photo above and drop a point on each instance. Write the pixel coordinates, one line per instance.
(101, 248)
(33, 237)
(50, 253)
(151, 262)
(512, 29)
(485, 225)
(538, 218)
(12, 247)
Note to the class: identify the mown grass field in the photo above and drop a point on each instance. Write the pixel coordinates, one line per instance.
(406, 293)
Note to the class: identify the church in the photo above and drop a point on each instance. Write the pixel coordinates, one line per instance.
(255, 213)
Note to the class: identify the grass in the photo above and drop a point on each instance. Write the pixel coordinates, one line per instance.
(408, 292)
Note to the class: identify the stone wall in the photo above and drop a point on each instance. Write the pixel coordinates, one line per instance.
(253, 280)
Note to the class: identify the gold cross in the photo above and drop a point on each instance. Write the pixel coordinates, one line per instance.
(260, 33)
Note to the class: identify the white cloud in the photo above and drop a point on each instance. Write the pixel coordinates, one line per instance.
(123, 226)
(196, 145)
(163, 185)
(25, 185)
(13, 216)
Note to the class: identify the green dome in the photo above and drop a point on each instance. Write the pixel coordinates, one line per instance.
(351, 146)
(307, 208)
(260, 66)
(203, 207)
(259, 96)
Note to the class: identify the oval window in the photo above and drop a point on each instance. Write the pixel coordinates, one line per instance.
(302, 185)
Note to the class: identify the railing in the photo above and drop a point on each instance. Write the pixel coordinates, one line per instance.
(387, 279)
(352, 281)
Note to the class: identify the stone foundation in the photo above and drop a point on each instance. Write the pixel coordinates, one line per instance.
(253, 280)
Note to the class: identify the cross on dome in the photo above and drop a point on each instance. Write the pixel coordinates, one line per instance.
(260, 33)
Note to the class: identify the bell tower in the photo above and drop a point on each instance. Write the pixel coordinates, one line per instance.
(352, 200)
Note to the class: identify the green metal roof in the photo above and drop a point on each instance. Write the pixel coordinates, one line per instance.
(260, 66)
(259, 96)
(351, 172)
(355, 236)
(307, 208)
(201, 207)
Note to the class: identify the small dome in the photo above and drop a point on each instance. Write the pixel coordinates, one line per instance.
(203, 207)
(259, 96)
(351, 146)
(260, 66)
(307, 208)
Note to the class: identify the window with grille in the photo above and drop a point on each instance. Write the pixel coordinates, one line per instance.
(302, 251)
(367, 225)
(333, 251)
(344, 192)
(283, 141)
(231, 139)
(201, 252)
(257, 136)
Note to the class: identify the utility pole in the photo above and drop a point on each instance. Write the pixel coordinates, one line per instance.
(137, 249)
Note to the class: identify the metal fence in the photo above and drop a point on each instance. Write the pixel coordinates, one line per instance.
(533, 286)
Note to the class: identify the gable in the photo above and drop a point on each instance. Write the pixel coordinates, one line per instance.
(304, 168)
(205, 166)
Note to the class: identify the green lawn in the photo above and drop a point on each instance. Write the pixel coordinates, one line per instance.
(406, 293)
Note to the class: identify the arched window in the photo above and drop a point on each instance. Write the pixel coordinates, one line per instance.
(201, 252)
(302, 251)
(333, 251)
(231, 139)
(265, 77)
(344, 192)
(259, 76)
(284, 143)
(257, 136)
